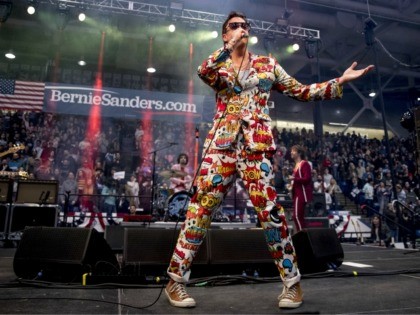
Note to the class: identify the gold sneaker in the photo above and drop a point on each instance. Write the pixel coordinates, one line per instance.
(292, 298)
(177, 295)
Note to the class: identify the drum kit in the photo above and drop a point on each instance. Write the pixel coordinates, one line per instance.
(172, 205)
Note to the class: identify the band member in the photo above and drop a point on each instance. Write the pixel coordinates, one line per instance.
(180, 180)
(241, 142)
(301, 183)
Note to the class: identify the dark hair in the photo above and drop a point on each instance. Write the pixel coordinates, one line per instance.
(231, 16)
(182, 155)
(300, 150)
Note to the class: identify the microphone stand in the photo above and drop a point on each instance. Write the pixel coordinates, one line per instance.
(153, 197)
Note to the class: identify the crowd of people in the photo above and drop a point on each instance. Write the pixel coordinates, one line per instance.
(54, 147)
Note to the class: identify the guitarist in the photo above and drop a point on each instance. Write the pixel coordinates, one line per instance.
(301, 180)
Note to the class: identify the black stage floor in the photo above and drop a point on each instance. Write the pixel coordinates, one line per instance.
(371, 280)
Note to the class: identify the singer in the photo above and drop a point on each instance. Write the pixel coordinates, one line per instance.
(241, 142)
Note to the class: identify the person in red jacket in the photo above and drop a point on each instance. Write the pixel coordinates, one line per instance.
(301, 185)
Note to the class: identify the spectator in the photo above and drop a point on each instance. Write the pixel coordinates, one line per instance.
(369, 192)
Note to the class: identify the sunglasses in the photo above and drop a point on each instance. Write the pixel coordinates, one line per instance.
(235, 25)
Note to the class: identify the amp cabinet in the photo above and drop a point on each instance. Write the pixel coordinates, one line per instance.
(4, 219)
(23, 215)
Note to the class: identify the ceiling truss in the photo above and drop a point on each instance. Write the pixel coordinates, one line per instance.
(192, 16)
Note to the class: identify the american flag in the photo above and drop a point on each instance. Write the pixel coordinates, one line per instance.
(21, 95)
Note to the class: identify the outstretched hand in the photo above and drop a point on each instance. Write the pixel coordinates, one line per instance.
(351, 74)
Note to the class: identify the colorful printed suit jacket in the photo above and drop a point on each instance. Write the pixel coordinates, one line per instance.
(247, 112)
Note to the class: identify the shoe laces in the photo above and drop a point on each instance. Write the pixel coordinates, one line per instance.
(179, 289)
(291, 293)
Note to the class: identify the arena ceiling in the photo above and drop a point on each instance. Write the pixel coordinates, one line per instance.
(42, 43)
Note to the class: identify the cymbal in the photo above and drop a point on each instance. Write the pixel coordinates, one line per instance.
(172, 173)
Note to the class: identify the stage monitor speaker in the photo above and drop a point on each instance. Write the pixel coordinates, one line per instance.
(317, 250)
(154, 246)
(6, 190)
(4, 219)
(238, 246)
(23, 215)
(63, 254)
(37, 191)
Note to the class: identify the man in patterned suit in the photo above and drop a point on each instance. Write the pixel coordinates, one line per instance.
(241, 142)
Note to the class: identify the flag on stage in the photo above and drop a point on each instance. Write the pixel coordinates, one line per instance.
(21, 95)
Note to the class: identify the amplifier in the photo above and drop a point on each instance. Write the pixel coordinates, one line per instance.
(23, 215)
(4, 219)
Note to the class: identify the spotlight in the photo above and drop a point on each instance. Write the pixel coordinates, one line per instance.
(253, 39)
(10, 55)
(295, 47)
(172, 28)
(214, 34)
(372, 93)
(151, 69)
(32, 5)
(81, 62)
(82, 16)
(5, 10)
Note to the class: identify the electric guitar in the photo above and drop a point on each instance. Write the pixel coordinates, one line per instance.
(13, 149)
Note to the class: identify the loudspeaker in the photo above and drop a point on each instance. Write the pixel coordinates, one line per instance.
(63, 254)
(155, 246)
(238, 246)
(6, 190)
(37, 191)
(317, 250)
(4, 219)
(22, 216)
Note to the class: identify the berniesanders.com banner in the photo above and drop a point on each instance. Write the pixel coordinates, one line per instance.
(122, 103)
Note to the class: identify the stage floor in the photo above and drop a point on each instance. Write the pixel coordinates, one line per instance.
(372, 279)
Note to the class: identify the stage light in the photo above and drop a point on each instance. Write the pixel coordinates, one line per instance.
(172, 28)
(5, 10)
(253, 40)
(81, 62)
(151, 70)
(82, 16)
(295, 47)
(32, 5)
(10, 55)
(372, 93)
(214, 34)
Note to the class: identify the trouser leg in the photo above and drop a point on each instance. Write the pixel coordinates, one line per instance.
(256, 172)
(214, 180)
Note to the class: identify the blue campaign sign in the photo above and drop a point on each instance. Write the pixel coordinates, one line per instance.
(112, 102)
